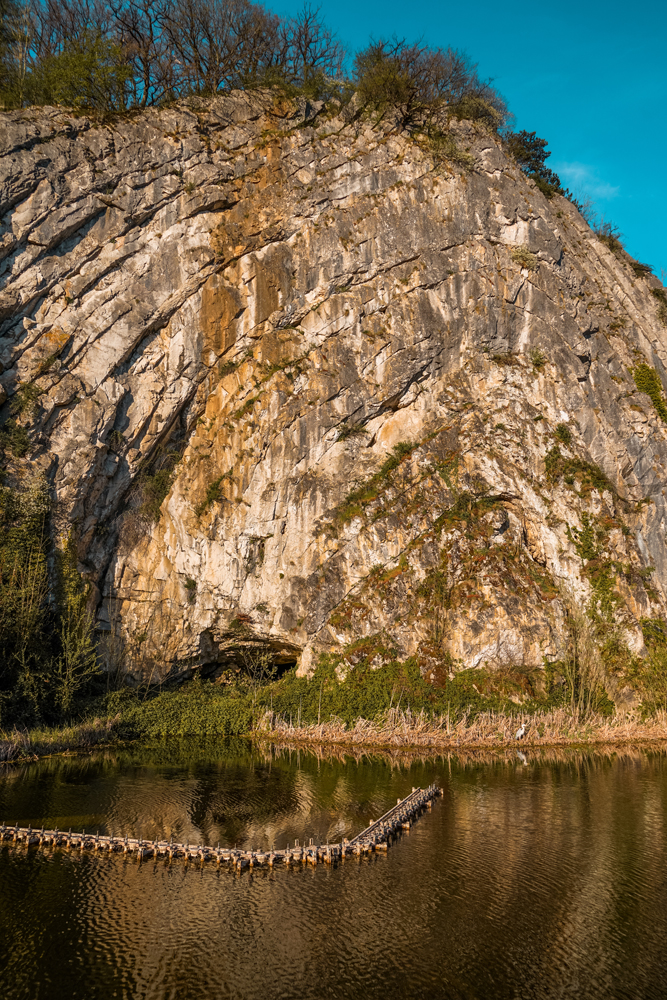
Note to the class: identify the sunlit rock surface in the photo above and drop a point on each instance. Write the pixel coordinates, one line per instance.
(284, 302)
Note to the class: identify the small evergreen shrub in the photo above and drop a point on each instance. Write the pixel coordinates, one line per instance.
(538, 358)
(351, 430)
(531, 153)
(661, 295)
(647, 380)
(563, 433)
(14, 438)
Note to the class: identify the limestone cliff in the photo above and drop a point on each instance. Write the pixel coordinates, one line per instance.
(392, 402)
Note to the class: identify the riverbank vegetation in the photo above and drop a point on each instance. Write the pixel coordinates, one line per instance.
(389, 707)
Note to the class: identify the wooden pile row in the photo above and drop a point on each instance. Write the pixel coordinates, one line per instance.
(375, 837)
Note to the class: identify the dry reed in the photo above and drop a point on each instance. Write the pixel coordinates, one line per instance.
(407, 730)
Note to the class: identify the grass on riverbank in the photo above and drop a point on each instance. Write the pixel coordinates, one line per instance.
(390, 707)
(30, 744)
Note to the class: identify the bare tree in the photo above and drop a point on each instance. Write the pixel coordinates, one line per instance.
(219, 46)
(140, 27)
(308, 49)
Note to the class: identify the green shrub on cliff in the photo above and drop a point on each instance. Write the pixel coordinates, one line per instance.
(424, 85)
(647, 380)
(531, 153)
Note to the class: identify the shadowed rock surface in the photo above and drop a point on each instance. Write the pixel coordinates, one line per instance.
(299, 383)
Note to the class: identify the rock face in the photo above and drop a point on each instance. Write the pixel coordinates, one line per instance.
(300, 383)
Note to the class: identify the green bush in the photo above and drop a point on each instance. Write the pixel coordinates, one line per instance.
(421, 84)
(89, 73)
(213, 494)
(47, 650)
(531, 153)
(15, 438)
(591, 476)
(524, 258)
(350, 430)
(661, 295)
(155, 484)
(363, 494)
(610, 235)
(24, 401)
(563, 433)
(647, 380)
(538, 358)
(198, 709)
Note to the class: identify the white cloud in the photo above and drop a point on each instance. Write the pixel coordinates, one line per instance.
(580, 177)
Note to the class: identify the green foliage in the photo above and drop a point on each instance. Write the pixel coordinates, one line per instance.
(589, 539)
(641, 270)
(213, 494)
(227, 367)
(351, 430)
(47, 648)
(90, 73)
(590, 475)
(590, 542)
(610, 235)
(24, 614)
(654, 632)
(649, 675)
(155, 489)
(661, 295)
(445, 149)
(116, 440)
(76, 662)
(420, 84)
(15, 438)
(647, 380)
(563, 433)
(24, 401)
(538, 358)
(524, 258)
(531, 153)
(247, 406)
(155, 485)
(197, 709)
(369, 693)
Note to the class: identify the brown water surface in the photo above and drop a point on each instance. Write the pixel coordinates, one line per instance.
(531, 878)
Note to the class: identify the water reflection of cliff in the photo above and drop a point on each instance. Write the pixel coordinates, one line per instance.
(541, 878)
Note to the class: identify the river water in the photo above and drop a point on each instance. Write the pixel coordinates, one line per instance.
(536, 878)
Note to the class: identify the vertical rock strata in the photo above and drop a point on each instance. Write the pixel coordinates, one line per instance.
(401, 396)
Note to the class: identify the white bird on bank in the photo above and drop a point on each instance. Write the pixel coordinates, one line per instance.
(521, 732)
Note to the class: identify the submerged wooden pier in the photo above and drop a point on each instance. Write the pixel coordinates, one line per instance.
(376, 837)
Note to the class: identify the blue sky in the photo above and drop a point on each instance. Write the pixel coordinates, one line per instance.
(590, 77)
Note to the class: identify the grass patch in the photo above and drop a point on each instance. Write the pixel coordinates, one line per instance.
(522, 256)
(213, 493)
